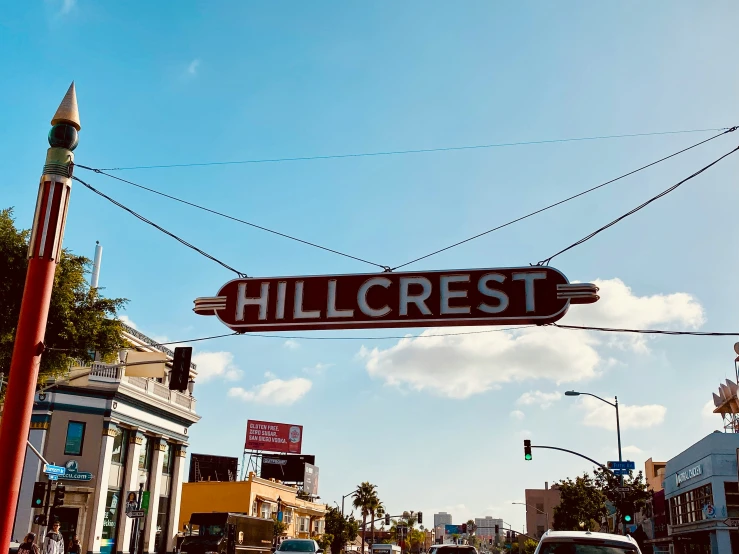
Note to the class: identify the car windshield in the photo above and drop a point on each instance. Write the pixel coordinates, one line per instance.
(297, 546)
(584, 546)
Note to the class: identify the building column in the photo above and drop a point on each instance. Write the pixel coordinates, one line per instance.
(31, 473)
(720, 541)
(130, 483)
(101, 490)
(155, 491)
(175, 492)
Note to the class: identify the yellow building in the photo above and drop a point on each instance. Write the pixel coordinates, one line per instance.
(257, 497)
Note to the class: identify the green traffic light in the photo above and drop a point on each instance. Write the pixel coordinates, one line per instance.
(627, 519)
(527, 456)
(38, 501)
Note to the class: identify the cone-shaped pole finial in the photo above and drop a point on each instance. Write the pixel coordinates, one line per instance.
(67, 111)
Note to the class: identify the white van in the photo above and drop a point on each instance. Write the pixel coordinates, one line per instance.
(385, 549)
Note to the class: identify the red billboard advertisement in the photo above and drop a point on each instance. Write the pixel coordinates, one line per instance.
(502, 296)
(273, 437)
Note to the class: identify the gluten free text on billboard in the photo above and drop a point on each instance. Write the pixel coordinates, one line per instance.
(273, 437)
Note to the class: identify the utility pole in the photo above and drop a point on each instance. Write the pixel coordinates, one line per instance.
(45, 248)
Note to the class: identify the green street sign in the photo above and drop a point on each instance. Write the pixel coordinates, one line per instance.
(145, 501)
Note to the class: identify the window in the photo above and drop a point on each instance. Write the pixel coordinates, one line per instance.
(732, 498)
(688, 506)
(266, 512)
(110, 522)
(254, 508)
(75, 438)
(287, 516)
(168, 459)
(120, 446)
(303, 523)
(585, 546)
(145, 454)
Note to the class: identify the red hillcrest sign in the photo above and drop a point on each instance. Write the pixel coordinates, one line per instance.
(508, 296)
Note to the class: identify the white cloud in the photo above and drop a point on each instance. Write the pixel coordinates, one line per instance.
(275, 392)
(707, 411)
(631, 450)
(525, 434)
(602, 415)
(538, 398)
(291, 344)
(68, 5)
(216, 364)
(517, 414)
(192, 68)
(459, 366)
(317, 369)
(127, 320)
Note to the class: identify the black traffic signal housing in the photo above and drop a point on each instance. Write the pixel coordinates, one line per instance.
(180, 373)
(527, 450)
(387, 519)
(39, 495)
(59, 495)
(420, 518)
(491, 541)
(497, 529)
(464, 528)
(40, 519)
(627, 513)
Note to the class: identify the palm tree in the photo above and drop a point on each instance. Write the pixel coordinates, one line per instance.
(376, 509)
(364, 499)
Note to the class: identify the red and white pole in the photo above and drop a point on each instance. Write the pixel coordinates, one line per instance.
(44, 250)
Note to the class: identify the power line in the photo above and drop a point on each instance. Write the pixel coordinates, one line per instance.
(631, 212)
(729, 130)
(416, 151)
(149, 222)
(232, 218)
(647, 331)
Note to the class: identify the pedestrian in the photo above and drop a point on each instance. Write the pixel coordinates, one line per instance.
(74, 546)
(28, 546)
(54, 541)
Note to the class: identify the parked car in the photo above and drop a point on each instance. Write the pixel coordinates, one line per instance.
(586, 542)
(302, 546)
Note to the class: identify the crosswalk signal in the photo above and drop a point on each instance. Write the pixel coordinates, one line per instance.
(180, 374)
(527, 450)
(59, 495)
(39, 494)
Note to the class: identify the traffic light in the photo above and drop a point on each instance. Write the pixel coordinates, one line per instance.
(627, 513)
(40, 519)
(464, 528)
(491, 541)
(39, 494)
(497, 529)
(59, 495)
(387, 519)
(180, 374)
(420, 518)
(527, 450)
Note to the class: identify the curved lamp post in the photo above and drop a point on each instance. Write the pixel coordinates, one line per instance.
(618, 423)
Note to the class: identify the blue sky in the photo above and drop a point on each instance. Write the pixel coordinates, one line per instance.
(436, 424)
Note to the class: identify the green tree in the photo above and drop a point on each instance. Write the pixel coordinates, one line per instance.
(582, 505)
(325, 541)
(279, 528)
(365, 500)
(342, 529)
(81, 321)
(638, 493)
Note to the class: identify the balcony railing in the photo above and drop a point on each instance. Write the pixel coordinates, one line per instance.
(111, 374)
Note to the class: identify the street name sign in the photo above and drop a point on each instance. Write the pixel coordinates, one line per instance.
(504, 296)
(732, 522)
(54, 470)
(620, 471)
(136, 514)
(626, 464)
(623, 489)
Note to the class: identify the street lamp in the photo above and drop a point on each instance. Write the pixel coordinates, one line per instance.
(342, 500)
(546, 515)
(618, 423)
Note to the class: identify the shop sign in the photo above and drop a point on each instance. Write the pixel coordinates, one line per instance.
(71, 473)
(688, 474)
(709, 511)
(502, 296)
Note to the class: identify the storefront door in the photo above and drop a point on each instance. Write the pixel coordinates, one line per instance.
(67, 523)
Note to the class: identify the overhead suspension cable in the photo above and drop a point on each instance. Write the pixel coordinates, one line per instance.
(639, 207)
(647, 331)
(415, 151)
(550, 206)
(232, 218)
(159, 228)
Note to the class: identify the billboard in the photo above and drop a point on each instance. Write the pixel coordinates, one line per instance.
(453, 530)
(285, 467)
(496, 296)
(204, 467)
(273, 437)
(310, 481)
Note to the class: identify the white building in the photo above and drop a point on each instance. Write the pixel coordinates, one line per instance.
(442, 518)
(486, 526)
(113, 433)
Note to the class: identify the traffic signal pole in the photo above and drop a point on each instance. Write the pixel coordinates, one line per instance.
(45, 248)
